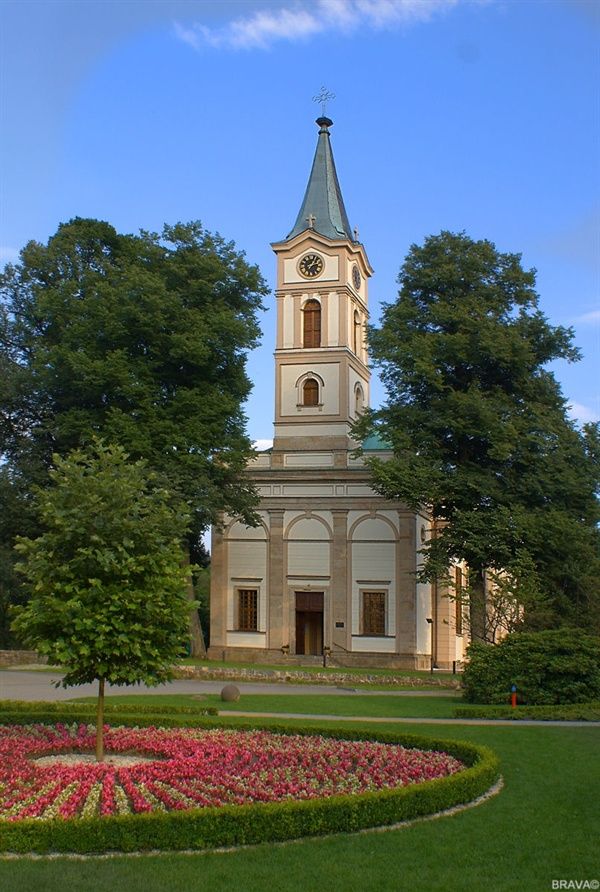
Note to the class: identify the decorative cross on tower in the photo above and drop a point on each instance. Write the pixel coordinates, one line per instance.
(323, 97)
(311, 220)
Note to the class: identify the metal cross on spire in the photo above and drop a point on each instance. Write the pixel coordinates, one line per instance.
(323, 97)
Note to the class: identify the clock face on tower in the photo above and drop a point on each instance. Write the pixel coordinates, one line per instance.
(311, 265)
(356, 277)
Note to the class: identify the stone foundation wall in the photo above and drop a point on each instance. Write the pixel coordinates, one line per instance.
(448, 666)
(346, 660)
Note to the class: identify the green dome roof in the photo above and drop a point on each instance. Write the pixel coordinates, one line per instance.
(374, 443)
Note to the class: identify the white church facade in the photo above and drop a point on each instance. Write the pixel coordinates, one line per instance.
(331, 569)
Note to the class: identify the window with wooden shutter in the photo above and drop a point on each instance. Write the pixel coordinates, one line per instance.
(248, 609)
(373, 613)
(310, 392)
(312, 323)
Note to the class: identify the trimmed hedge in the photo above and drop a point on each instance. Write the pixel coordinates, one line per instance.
(568, 712)
(13, 712)
(117, 708)
(261, 822)
(551, 667)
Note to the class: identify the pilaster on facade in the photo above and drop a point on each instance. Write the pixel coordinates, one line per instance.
(277, 605)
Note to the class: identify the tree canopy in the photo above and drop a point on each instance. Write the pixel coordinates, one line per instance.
(479, 429)
(141, 340)
(107, 588)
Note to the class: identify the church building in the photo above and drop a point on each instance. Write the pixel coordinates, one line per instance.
(331, 569)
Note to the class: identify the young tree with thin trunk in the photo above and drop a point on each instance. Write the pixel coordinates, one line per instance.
(480, 434)
(107, 588)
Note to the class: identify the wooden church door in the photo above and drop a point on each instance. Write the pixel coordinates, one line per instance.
(309, 623)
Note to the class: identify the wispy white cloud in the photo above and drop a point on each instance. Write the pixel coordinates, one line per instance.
(582, 413)
(592, 316)
(261, 445)
(302, 20)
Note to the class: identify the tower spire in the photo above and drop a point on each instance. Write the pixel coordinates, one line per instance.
(323, 204)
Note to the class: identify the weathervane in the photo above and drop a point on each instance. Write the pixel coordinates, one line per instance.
(323, 97)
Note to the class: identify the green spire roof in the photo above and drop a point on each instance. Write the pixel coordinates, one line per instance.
(323, 206)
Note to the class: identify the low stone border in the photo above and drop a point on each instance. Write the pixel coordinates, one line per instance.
(24, 659)
(291, 676)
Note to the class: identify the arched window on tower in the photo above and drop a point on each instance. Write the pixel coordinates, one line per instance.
(310, 392)
(312, 323)
(357, 337)
(359, 399)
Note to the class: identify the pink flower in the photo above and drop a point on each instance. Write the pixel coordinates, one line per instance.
(193, 768)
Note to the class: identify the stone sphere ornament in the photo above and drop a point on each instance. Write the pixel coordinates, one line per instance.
(230, 693)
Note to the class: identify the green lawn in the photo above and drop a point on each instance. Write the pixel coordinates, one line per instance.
(329, 704)
(543, 826)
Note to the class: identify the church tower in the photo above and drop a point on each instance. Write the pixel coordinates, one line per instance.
(321, 373)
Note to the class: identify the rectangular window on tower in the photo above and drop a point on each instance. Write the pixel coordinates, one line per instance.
(373, 613)
(247, 604)
(458, 603)
(312, 323)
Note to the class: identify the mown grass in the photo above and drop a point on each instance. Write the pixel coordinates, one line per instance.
(370, 705)
(543, 826)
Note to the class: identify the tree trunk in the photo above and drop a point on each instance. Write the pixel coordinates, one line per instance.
(198, 647)
(100, 722)
(477, 607)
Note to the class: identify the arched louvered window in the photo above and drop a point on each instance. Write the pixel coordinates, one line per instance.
(310, 392)
(312, 323)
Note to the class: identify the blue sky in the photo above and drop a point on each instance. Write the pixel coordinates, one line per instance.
(449, 114)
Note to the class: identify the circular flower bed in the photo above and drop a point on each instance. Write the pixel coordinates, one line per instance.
(182, 769)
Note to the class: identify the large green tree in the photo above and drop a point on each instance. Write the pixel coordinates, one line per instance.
(107, 589)
(480, 433)
(140, 339)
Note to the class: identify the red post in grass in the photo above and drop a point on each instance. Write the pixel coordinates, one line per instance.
(513, 696)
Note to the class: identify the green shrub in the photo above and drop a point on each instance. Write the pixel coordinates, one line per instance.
(550, 667)
(261, 822)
